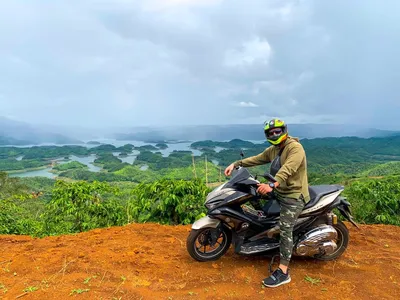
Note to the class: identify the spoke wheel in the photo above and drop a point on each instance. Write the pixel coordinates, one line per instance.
(200, 246)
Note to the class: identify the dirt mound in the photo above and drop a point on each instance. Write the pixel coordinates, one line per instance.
(149, 261)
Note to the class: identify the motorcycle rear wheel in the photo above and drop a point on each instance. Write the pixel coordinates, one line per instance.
(200, 239)
(342, 242)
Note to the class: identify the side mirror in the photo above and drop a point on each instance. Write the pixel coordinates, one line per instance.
(242, 155)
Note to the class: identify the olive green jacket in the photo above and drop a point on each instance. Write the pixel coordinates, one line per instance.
(292, 176)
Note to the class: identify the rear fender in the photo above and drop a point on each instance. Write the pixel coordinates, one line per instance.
(344, 208)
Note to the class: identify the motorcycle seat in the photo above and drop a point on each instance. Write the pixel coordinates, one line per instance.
(272, 208)
(318, 191)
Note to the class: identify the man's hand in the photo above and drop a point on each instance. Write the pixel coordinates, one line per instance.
(229, 169)
(263, 188)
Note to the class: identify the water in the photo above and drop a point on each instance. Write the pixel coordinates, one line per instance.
(43, 172)
(128, 159)
(88, 160)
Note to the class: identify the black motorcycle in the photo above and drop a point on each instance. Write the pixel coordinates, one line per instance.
(238, 215)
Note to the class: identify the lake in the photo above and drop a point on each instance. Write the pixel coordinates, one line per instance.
(88, 160)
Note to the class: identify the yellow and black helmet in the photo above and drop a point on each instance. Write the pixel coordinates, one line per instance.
(275, 131)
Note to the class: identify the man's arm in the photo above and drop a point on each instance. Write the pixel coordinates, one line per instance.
(256, 160)
(293, 161)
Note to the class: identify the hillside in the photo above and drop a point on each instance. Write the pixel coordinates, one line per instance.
(149, 261)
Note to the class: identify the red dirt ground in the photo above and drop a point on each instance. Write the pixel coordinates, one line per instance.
(149, 261)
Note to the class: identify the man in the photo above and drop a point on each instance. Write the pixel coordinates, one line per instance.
(289, 167)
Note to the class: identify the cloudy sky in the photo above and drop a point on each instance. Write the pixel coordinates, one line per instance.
(169, 62)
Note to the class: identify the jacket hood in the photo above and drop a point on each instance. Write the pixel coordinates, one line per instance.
(290, 140)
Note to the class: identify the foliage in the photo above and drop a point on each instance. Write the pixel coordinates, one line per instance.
(48, 152)
(79, 206)
(375, 200)
(390, 168)
(126, 148)
(106, 148)
(146, 147)
(107, 158)
(13, 164)
(12, 215)
(92, 176)
(10, 187)
(70, 166)
(37, 184)
(169, 201)
(172, 191)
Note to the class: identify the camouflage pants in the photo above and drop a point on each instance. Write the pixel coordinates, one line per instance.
(290, 211)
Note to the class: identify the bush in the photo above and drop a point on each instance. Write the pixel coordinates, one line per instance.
(79, 206)
(375, 200)
(169, 201)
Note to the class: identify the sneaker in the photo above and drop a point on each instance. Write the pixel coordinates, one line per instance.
(276, 279)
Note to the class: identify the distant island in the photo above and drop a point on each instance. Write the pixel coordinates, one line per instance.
(93, 143)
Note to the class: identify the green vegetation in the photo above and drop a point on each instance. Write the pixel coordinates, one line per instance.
(79, 206)
(162, 146)
(146, 147)
(375, 200)
(172, 189)
(390, 168)
(13, 217)
(68, 207)
(13, 164)
(168, 201)
(233, 144)
(126, 148)
(70, 166)
(107, 158)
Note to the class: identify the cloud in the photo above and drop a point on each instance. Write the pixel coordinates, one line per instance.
(154, 62)
(246, 104)
(159, 5)
(255, 51)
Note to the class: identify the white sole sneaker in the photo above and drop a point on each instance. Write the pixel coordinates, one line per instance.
(276, 285)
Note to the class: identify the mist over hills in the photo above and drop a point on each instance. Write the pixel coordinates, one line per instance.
(20, 133)
(247, 132)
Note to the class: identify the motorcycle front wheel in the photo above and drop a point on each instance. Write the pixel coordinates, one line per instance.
(199, 243)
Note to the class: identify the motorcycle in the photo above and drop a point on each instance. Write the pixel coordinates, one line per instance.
(236, 215)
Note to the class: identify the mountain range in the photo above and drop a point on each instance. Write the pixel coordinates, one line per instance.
(14, 132)
(247, 132)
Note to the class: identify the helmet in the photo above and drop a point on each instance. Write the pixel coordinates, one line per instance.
(275, 131)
